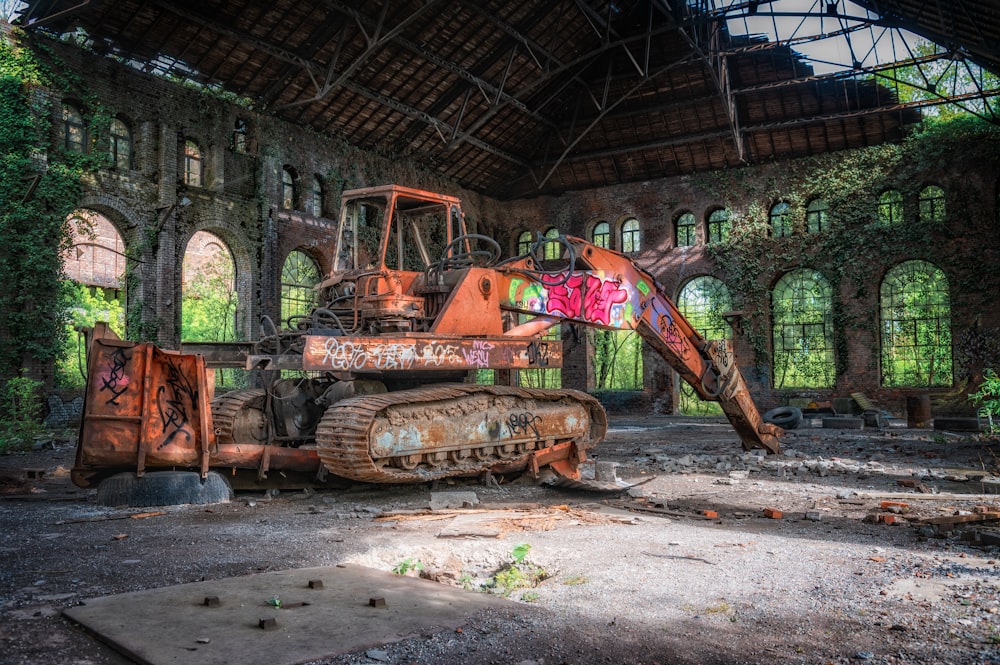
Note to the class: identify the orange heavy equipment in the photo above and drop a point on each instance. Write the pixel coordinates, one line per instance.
(380, 393)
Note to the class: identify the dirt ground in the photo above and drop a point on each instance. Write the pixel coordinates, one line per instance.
(685, 567)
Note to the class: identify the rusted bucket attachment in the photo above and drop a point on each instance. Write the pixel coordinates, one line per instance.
(143, 407)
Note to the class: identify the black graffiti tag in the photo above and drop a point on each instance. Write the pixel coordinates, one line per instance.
(172, 402)
(117, 364)
(521, 423)
(538, 354)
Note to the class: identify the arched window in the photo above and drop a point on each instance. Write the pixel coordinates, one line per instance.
(316, 197)
(287, 188)
(193, 172)
(703, 301)
(601, 235)
(552, 249)
(685, 235)
(524, 242)
(803, 331)
(120, 145)
(299, 275)
(817, 216)
(240, 140)
(74, 129)
(890, 207)
(718, 226)
(916, 326)
(631, 236)
(931, 204)
(781, 220)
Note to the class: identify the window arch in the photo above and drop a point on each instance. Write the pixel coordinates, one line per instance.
(890, 207)
(817, 216)
(74, 129)
(524, 241)
(316, 197)
(916, 326)
(802, 333)
(703, 301)
(931, 204)
(120, 144)
(781, 220)
(601, 235)
(299, 275)
(193, 164)
(631, 235)
(552, 249)
(718, 226)
(685, 233)
(288, 188)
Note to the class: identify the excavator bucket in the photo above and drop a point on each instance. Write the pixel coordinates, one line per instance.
(143, 406)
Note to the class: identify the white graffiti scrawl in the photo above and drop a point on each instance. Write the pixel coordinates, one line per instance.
(348, 356)
(479, 354)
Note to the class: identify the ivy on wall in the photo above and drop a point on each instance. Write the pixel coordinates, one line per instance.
(857, 247)
(38, 190)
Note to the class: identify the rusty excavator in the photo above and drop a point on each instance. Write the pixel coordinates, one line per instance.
(373, 383)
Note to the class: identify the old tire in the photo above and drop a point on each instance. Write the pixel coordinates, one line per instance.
(785, 417)
(163, 488)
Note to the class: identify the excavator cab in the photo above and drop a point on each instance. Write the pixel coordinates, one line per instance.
(396, 228)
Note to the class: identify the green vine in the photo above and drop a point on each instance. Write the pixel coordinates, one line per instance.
(38, 189)
(856, 247)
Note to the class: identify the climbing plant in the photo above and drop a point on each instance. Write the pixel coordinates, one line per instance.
(852, 247)
(39, 187)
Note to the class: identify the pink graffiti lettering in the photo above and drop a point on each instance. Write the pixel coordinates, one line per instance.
(565, 298)
(588, 298)
(601, 297)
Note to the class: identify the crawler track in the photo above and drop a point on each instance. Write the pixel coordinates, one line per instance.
(450, 430)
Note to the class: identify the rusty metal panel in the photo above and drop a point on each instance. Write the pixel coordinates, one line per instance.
(412, 352)
(144, 407)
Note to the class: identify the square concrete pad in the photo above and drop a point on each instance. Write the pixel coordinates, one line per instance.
(174, 624)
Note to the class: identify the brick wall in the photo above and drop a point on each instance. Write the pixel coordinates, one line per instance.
(241, 203)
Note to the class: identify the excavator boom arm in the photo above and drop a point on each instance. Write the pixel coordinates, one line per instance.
(612, 292)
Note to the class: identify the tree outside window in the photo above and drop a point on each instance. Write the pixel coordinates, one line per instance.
(718, 226)
(74, 129)
(120, 145)
(524, 243)
(631, 236)
(601, 236)
(703, 301)
(617, 359)
(685, 230)
(781, 220)
(316, 197)
(817, 216)
(193, 175)
(552, 249)
(299, 275)
(803, 331)
(916, 326)
(287, 188)
(890, 207)
(931, 204)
